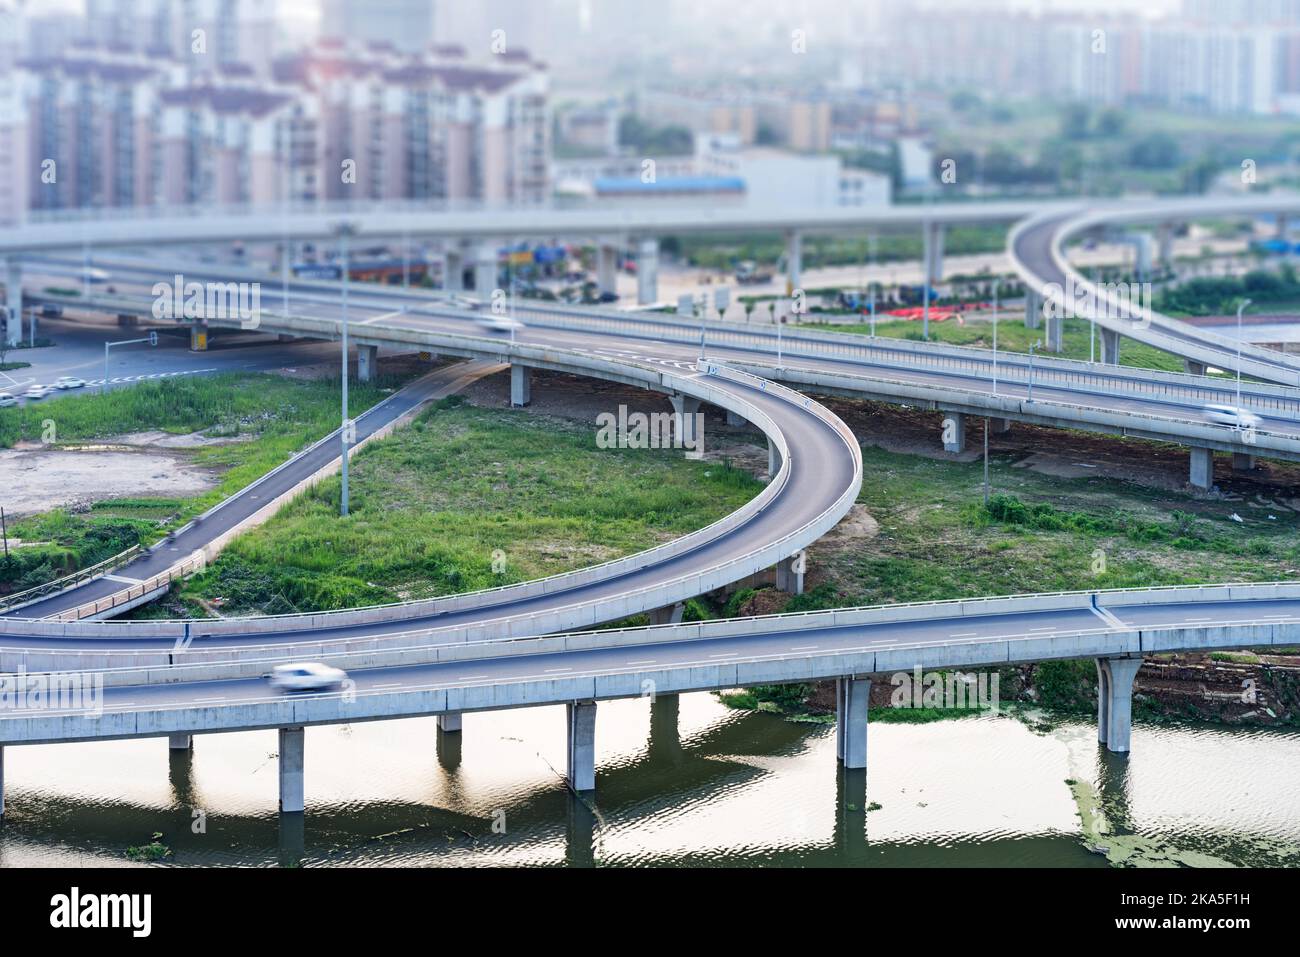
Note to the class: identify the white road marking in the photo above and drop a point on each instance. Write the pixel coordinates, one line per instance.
(1107, 617)
(124, 580)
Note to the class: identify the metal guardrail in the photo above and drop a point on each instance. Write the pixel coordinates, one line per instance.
(36, 593)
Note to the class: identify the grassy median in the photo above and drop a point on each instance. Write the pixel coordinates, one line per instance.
(468, 498)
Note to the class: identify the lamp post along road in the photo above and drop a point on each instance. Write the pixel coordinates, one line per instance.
(152, 339)
(1240, 309)
(345, 230)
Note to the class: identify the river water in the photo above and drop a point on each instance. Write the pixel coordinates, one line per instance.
(686, 781)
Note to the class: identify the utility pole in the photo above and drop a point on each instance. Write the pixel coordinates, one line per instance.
(1240, 310)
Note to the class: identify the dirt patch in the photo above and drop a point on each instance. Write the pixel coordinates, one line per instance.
(168, 440)
(407, 363)
(765, 601)
(42, 479)
(857, 526)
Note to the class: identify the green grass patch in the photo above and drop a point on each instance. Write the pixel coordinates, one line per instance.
(278, 417)
(436, 505)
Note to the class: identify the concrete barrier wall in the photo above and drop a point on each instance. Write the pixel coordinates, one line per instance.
(702, 676)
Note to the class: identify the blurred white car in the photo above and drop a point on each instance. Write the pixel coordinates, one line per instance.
(1233, 416)
(306, 676)
(494, 323)
(37, 391)
(7, 400)
(69, 382)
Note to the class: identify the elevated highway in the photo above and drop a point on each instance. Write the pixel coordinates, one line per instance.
(515, 647)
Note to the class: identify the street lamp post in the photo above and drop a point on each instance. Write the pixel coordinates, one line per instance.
(1240, 309)
(344, 231)
(1032, 346)
(995, 336)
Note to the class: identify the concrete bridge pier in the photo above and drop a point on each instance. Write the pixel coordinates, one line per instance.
(647, 272)
(1202, 469)
(486, 278)
(665, 738)
(521, 385)
(999, 426)
(292, 839)
(668, 615)
(179, 742)
(1115, 701)
(735, 420)
(850, 836)
(933, 253)
(773, 460)
(453, 270)
(1109, 346)
(790, 572)
(199, 337)
(291, 765)
(1243, 462)
(367, 360)
(14, 300)
(449, 722)
(607, 268)
(851, 697)
(1192, 367)
(793, 261)
(1165, 245)
(1033, 309)
(580, 768)
(1055, 338)
(687, 427)
(954, 432)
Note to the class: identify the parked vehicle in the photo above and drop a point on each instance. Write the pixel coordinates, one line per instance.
(306, 676)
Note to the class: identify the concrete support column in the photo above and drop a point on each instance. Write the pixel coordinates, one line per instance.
(1165, 245)
(647, 272)
(486, 278)
(581, 751)
(668, 615)
(793, 261)
(1000, 426)
(1033, 309)
(1115, 701)
(851, 697)
(291, 761)
(1202, 469)
(367, 359)
(665, 739)
(14, 300)
(179, 742)
(521, 385)
(773, 460)
(687, 427)
(607, 268)
(1109, 346)
(449, 722)
(790, 572)
(453, 270)
(1055, 338)
(735, 419)
(199, 337)
(934, 251)
(954, 432)
(1243, 462)
(1192, 367)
